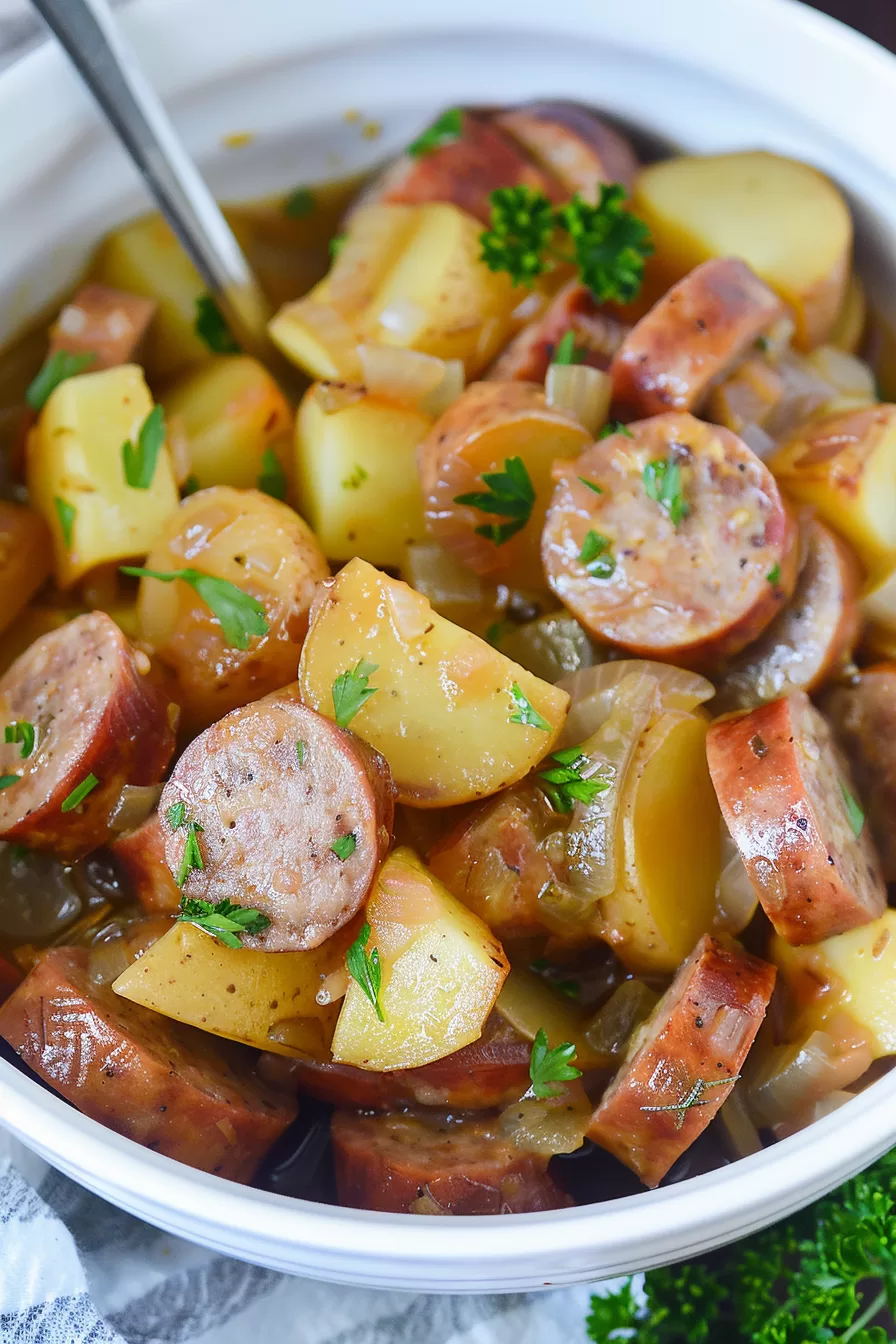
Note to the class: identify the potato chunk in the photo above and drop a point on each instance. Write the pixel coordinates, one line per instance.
(448, 712)
(356, 477)
(26, 558)
(784, 218)
(441, 968)
(76, 476)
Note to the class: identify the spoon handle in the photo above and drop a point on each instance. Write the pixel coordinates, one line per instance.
(109, 67)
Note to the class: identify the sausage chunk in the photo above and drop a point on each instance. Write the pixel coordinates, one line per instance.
(811, 639)
(296, 817)
(598, 334)
(408, 1164)
(140, 856)
(863, 715)
(96, 715)
(687, 1056)
(140, 1074)
(692, 337)
(107, 323)
(579, 149)
(789, 801)
(698, 549)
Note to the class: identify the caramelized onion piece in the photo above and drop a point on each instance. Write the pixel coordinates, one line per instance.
(736, 899)
(584, 392)
(135, 803)
(550, 1125)
(611, 1028)
(592, 691)
(797, 1076)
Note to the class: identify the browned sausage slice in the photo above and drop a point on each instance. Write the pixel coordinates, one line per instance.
(407, 1164)
(140, 856)
(788, 799)
(811, 639)
(275, 786)
(106, 323)
(692, 337)
(597, 333)
(863, 715)
(572, 144)
(138, 1072)
(696, 577)
(689, 1052)
(96, 714)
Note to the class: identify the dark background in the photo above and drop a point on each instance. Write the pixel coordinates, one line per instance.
(877, 18)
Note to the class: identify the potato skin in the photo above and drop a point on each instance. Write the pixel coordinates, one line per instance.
(106, 323)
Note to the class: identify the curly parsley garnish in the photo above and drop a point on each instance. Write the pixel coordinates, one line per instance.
(565, 784)
(364, 967)
(140, 461)
(351, 691)
(223, 919)
(510, 495)
(547, 1067)
(242, 617)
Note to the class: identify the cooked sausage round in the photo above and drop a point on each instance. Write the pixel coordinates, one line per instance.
(95, 715)
(140, 1073)
(863, 715)
(408, 1164)
(688, 591)
(811, 639)
(689, 1052)
(692, 336)
(140, 856)
(790, 803)
(572, 144)
(275, 786)
(598, 335)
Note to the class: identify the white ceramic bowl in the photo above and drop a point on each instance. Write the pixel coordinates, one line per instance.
(710, 75)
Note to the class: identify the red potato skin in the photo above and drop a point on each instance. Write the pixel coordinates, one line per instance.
(597, 332)
(779, 777)
(140, 856)
(574, 145)
(701, 1030)
(863, 716)
(96, 712)
(269, 819)
(691, 594)
(107, 323)
(389, 1162)
(139, 1073)
(691, 337)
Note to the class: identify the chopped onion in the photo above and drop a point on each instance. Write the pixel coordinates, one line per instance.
(550, 1125)
(779, 336)
(333, 987)
(178, 446)
(106, 961)
(755, 437)
(428, 1204)
(440, 576)
(736, 899)
(584, 392)
(398, 374)
(610, 1029)
(445, 393)
(135, 804)
(795, 1077)
(850, 376)
(741, 1135)
(333, 397)
(302, 1036)
(592, 690)
(404, 320)
(803, 393)
(316, 336)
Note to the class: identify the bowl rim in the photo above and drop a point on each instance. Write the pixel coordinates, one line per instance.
(794, 40)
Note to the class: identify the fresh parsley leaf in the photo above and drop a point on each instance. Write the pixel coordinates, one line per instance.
(7, 781)
(547, 1067)
(66, 513)
(853, 811)
(60, 366)
(242, 617)
(211, 328)
(272, 477)
(21, 732)
(593, 555)
(774, 575)
(192, 860)
(344, 846)
(336, 244)
(526, 713)
(496, 632)
(566, 350)
(444, 131)
(510, 494)
(223, 920)
(662, 483)
(300, 752)
(565, 784)
(614, 427)
(176, 815)
(356, 479)
(610, 244)
(350, 691)
(521, 228)
(299, 203)
(140, 462)
(364, 967)
(598, 489)
(190, 486)
(693, 1098)
(79, 793)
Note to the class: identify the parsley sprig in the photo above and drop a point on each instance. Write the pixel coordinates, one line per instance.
(272, 478)
(241, 617)
(20, 731)
(565, 784)
(211, 327)
(192, 860)
(140, 461)
(594, 557)
(662, 483)
(547, 1067)
(853, 811)
(526, 713)
(510, 494)
(222, 919)
(605, 242)
(566, 351)
(444, 131)
(614, 427)
(56, 370)
(364, 967)
(351, 691)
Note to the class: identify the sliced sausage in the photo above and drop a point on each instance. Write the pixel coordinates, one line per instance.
(275, 786)
(690, 586)
(139, 1073)
(598, 334)
(107, 323)
(687, 1056)
(692, 337)
(863, 715)
(579, 149)
(140, 856)
(96, 714)
(811, 639)
(407, 1164)
(789, 801)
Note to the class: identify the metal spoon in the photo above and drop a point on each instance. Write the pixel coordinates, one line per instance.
(108, 65)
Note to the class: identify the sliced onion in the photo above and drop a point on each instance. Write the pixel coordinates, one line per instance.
(135, 804)
(779, 336)
(445, 393)
(803, 392)
(107, 960)
(398, 374)
(584, 392)
(755, 437)
(736, 899)
(302, 1036)
(849, 376)
(795, 1077)
(409, 611)
(333, 397)
(404, 320)
(592, 690)
(610, 1029)
(741, 1135)
(440, 576)
(550, 1125)
(529, 1004)
(333, 987)
(178, 446)
(428, 1204)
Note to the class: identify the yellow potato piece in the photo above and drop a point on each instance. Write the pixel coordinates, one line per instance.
(232, 412)
(442, 969)
(849, 328)
(670, 863)
(356, 477)
(845, 466)
(237, 992)
(785, 219)
(529, 1004)
(26, 558)
(75, 456)
(443, 712)
(318, 339)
